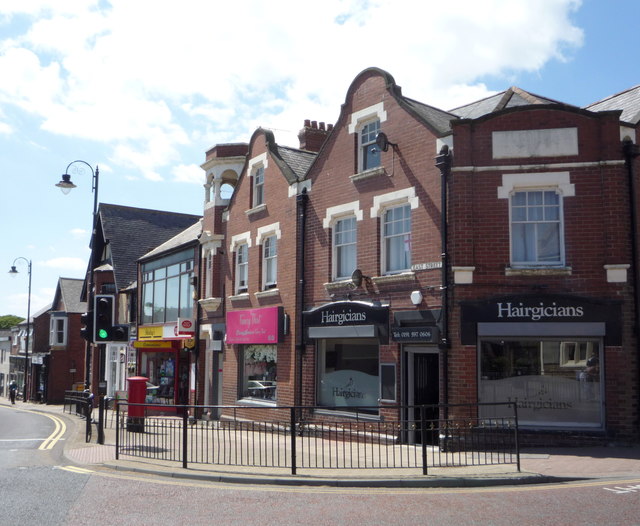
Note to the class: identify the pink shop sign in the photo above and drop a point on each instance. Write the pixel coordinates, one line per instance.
(254, 325)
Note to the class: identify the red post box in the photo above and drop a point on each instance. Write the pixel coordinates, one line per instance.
(136, 395)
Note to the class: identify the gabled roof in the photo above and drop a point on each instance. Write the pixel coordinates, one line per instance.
(68, 292)
(132, 232)
(628, 101)
(298, 160)
(188, 235)
(439, 120)
(509, 98)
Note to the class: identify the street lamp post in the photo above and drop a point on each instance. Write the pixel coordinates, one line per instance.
(66, 185)
(14, 272)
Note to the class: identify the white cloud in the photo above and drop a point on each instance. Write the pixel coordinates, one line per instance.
(67, 264)
(148, 85)
(188, 173)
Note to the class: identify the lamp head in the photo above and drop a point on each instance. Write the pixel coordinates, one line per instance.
(65, 184)
(13, 272)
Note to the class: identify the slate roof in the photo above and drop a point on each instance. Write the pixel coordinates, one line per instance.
(132, 232)
(628, 101)
(438, 119)
(69, 290)
(298, 160)
(509, 98)
(186, 236)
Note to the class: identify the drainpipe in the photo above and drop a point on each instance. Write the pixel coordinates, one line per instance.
(630, 152)
(301, 205)
(443, 163)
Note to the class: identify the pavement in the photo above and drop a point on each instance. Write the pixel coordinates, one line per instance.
(538, 465)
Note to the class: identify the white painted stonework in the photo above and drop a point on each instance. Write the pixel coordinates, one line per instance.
(535, 143)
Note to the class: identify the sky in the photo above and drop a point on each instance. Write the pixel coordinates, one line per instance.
(140, 90)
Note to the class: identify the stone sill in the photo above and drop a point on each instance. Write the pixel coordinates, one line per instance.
(390, 279)
(537, 271)
(269, 293)
(210, 304)
(367, 174)
(256, 209)
(244, 296)
(337, 286)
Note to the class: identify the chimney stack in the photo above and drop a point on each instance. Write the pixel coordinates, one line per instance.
(313, 135)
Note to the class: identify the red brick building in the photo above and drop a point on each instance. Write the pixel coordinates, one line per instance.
(410, 256)
(542, 235)
(261, 252)
(58, 334)
(373, 300)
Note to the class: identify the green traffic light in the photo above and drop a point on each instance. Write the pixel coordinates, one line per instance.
(102, 334)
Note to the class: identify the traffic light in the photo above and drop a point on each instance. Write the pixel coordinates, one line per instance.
(104, 315)
(87, 321)
(120, 333)
(103, 321)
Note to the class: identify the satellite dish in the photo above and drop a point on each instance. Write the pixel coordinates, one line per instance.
(382, 142)
(356, 277)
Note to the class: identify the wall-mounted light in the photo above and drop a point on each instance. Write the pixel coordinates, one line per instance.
(416, 297)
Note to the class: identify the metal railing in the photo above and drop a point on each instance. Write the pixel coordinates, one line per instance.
(82, 403)
(311, 437)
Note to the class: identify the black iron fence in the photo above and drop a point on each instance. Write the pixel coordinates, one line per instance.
(315, 438)
(82, 403)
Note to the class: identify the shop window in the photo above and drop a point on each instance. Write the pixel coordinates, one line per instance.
(536, 228)
(396, 239)
(348, 374)
(57, 330)
(160, 368)
(259, 372)
(557, 384)
(167, 289)
(344, 247)
(388, 382)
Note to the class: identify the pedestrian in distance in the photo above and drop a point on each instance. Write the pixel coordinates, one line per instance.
(13, 388)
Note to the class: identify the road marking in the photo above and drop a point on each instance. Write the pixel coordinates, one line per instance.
(75, 469)
(59, 430)
(54, 437)
(21, 439)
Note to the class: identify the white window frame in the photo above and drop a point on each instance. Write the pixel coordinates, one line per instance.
(263, 233)
(334, 214)
(336, 248)
(536, 260)
(384, 202)
(58, 334)
(559, 182)
(242, 268)
(388, 239)
(270, 262)
(367, 141)
(359, 120)
(257, 165)
(258, 186)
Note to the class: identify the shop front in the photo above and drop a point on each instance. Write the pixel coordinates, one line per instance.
(163, 358)
(418, 334)
(347, 337)
(545, 352)
(256, 333)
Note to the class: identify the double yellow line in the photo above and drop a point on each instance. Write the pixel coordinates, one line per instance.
(57, 434)
(58, 431)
